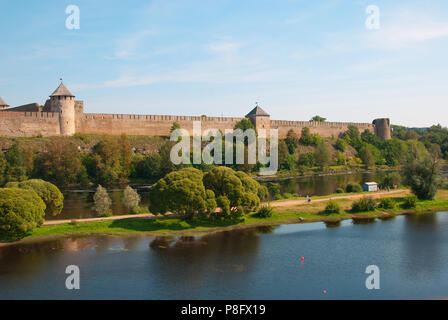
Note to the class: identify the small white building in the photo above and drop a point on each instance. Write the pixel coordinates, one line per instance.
(370, 186)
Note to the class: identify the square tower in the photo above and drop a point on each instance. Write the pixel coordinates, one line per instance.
(261, 120)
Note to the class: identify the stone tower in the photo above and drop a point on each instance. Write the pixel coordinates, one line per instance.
(3, 104)
(63, 102)
(382, 128)
(260, 119)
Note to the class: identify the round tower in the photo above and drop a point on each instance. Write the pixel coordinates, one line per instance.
(382, 128)
(63, 102)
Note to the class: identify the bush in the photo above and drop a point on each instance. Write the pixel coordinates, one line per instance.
(21, 211)
(387, 203)
(410, 202)
(139, 210)
(340, 190)
(364, 205)
(353, 187)
(131, 199)
(332, 207)
(224, 203)
(264, 212)
(48, 192)
(102, 202)
(274, 189)
(288, 195)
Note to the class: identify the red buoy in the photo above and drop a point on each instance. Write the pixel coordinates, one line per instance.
(324, 292)
(302, 259)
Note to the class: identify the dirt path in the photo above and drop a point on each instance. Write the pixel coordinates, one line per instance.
(144, 215)
(286, 203)
(291, 203)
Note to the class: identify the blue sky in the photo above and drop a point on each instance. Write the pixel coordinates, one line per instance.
(297, 58)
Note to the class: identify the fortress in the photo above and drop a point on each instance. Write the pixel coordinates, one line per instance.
(63, 115)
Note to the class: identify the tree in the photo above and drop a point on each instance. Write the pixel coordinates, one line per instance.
(182, 192)
(423, 176)
(323, 155)
(48, 192)
(175, 126)
(292, 141)
(15, 170)
(307, 159)
(318, 119)
(20, 211)
(60, 163)
(367, 156)
(131, 199)
(274, 190)
(238, 187)
(244, 124)
(3, 167)
(341, 144)
(102, 202)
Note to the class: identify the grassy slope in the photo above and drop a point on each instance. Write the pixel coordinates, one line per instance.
(170, 226)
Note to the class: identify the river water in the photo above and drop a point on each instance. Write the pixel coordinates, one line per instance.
(411, 253)
(78, 203)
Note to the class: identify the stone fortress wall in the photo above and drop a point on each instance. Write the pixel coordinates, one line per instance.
(62, 115)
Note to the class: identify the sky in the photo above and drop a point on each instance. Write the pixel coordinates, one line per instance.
(296, 58)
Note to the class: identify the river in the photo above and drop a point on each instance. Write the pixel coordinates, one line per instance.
(411, 253)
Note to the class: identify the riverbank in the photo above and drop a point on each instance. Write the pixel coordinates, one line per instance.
(285, 212)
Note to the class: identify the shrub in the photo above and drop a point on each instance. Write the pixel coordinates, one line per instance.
(264, 212)
(288, 195)
(387, 203)
(131, 199)
(410, 202)
(48, 192)
(332, 207)
(224, 203)
(274, 189)
(102, 202)
(364, 205)
(21, 211)
(340, 190)
(353, 187)
(139, 210)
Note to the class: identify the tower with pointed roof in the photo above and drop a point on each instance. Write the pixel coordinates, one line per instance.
(63, 102)
(260, 118)
(3, 104)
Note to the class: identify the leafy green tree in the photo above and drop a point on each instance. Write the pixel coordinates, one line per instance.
(423, 176)
(15, 170)
(175, 126)
(20, 212)
(307, 159)
(3, 167)
(292, 141)
(224, 203)
(353, 137)
(318, 119)
(322, 155)
(181, 192)
(238, 187)
(341, 144)
(244, 124)
(60, 163)
(366, 155)
(48, 192)
(274, 189)
(392, 179)
(102, 202)
(131, 199)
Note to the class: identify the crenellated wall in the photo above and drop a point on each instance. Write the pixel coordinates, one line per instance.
(325, 129)
(28, 124)
(48, 124)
